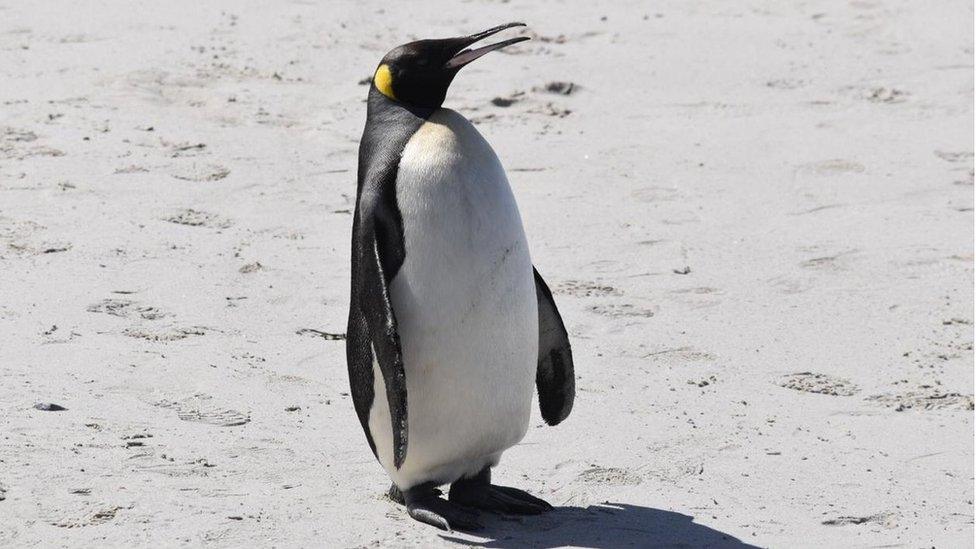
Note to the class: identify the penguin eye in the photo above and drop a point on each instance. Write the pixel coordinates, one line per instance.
(423, 62)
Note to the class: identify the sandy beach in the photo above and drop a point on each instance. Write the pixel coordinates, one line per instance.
(756, 219)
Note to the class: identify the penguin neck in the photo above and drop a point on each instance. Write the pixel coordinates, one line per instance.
(378, 104)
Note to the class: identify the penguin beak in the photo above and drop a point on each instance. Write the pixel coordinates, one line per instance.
(466, 55)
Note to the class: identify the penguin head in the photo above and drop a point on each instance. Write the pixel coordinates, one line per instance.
(419, 73)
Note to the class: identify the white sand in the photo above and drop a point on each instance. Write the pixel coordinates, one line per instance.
(811, 163)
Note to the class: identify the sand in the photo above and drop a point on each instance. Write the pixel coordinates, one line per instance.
(756, 218)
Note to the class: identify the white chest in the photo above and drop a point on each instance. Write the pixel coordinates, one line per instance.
(466, 252)
(465, 304)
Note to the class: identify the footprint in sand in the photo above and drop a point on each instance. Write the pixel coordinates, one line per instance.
(196, 218)
(584, 288)
(924, 400)
(18, 144)
(21, 238)
(164, 333)
(681, 354)
(677, 470)
(610, 476)
(809, 382)
(99, 514)
(38, 248)
(131, 168)
(622, 310)
(126, 308)
(200, 172)
(884, 95)
(888, 520)
(200, 409)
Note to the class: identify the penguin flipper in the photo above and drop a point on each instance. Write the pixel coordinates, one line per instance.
(554, 377)
(375, 262)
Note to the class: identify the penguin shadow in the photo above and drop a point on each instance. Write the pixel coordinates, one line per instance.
(605, 526)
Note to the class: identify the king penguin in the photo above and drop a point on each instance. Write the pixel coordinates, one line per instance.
(450, 325)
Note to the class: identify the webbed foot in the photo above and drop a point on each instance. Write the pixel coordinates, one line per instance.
(424, 505)
(478, 492)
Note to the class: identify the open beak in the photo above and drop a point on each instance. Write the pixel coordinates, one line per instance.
(467, 55)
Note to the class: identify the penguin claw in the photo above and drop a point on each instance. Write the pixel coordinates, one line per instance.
(443, 514)
(428, 517)
(424, 504)
(524, 497)
(499, 498)
(395, 495)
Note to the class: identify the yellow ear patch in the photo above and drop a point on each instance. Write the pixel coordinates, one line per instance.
(383, 80)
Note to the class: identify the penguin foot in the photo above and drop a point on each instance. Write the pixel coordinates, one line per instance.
(479, 493)
(424, 505)
(396, 496)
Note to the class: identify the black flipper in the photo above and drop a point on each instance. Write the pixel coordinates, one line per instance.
(377, 254)
(554, 377)
(377, 327)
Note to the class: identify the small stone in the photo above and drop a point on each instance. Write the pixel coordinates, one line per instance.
(49, 407)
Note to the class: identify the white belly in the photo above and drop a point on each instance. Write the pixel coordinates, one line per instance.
(465, 304)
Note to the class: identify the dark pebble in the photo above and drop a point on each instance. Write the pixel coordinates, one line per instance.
(562, 88)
